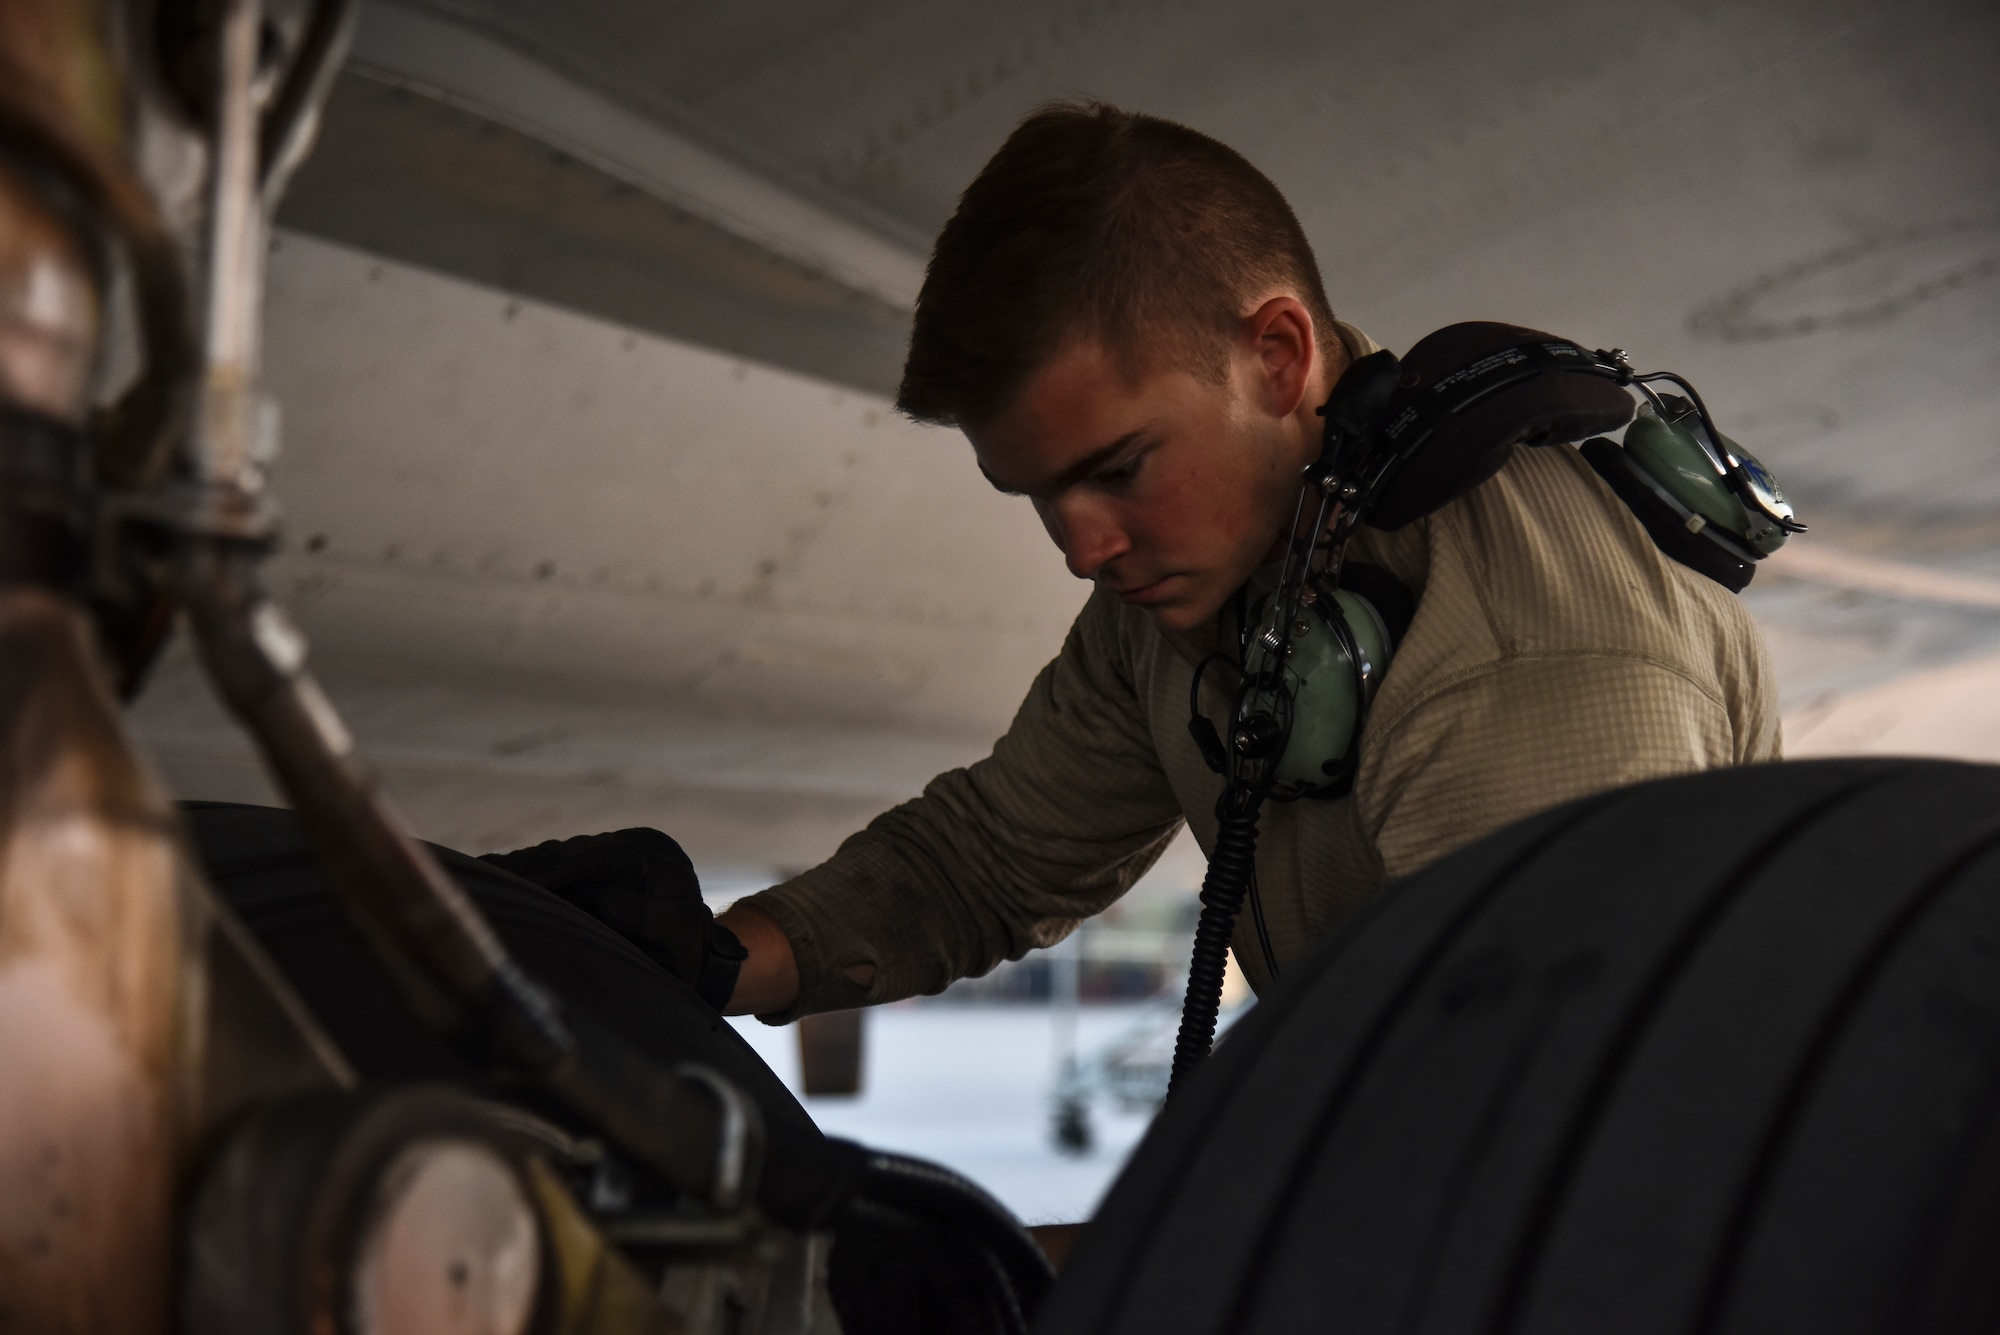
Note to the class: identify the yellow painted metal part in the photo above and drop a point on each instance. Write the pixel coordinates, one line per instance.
(599, 1293)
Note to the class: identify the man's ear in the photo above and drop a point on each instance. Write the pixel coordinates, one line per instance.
(1279, 335)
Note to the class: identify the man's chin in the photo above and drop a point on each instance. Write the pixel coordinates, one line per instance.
(1175, 617)
(1180, 614)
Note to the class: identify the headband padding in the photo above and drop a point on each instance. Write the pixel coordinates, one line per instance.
(1552, 406)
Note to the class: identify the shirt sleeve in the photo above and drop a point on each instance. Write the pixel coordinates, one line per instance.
(995, 859)
(1530, 733)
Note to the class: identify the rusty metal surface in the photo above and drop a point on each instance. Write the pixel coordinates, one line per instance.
(102, 1003)
(48, 307)
(57, 68)
(64, 103)
(134, 1016)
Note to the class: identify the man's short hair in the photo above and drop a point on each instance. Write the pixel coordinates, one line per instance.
(1099, 223)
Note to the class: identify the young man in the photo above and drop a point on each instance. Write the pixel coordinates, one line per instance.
(1126, 321)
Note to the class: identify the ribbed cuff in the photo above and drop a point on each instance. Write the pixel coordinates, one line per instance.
(821, 988)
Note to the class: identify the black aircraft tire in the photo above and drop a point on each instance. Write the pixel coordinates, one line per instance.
(915, 1247)
(1714, 1054)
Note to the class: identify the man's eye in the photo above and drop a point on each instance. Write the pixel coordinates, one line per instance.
(1120, 474)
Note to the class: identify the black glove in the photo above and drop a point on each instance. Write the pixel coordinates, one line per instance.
(640, 884)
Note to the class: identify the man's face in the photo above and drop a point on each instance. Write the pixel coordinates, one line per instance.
(1167, 492)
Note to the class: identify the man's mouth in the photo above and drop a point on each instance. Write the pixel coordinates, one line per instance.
(1143, 594)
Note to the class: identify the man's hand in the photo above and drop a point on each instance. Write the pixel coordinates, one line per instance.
(640, 883)
(769, 979)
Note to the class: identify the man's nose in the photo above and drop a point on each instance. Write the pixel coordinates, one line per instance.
(1090, 539)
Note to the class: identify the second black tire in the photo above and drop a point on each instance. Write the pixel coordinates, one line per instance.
(1715, 1054)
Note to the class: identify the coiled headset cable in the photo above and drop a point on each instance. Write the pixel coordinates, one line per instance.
(1260, 725)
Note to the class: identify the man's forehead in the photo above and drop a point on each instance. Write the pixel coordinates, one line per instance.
(1053, 472)
(1028, 462)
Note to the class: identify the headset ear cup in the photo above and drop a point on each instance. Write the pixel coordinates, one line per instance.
(1361, 397)
(1697, 551)
(1390, 597)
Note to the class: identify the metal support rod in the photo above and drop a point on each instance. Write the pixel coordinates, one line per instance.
(225, 453)
(699, 1133)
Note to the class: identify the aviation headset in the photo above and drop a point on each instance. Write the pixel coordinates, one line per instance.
(1402, 439)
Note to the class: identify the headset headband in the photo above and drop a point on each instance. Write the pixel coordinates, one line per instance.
(1416, 434)
(1406, 438)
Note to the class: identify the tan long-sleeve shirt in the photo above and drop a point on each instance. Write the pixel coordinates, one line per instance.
(1554, 653)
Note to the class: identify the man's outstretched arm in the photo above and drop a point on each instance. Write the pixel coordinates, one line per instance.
(990, 862)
